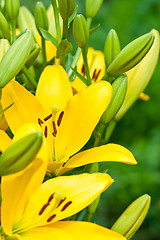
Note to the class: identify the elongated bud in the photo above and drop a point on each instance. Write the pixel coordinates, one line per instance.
(139, 76)
(132, 218)
(131, 55)
(66, 8)
(15, 58)
(111, 47)
(20, 154)
(4, 27)
(119, 91)
(92, 208)
(25, 20)
(92, 168)
(80, 31)
(12, 8)
(2, 6)
(40, 16)
(92, 7)
(33, 55)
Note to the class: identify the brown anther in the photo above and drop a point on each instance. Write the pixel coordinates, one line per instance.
(61, 202)
(50, 198)
(45, 131)
(51, 218)
(43, 208)
(66, 206)
(48, 117)
(83, 70)
(54, 128)
(60, 118)
(95, 74)
(53, 134)
(40, 122)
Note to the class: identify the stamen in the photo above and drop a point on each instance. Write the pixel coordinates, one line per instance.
(66, 206)
(54, 128)
(50, 198)
(45, 131)
(95, 75)
(60, 118)
(83, 70)
(43, 208)
(61, 202)
(53, 134)
(40, 122)
(51, 218)
(48, 117)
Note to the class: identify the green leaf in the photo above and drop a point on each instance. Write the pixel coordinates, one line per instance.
(72, 16)
(83, 79)
(47, 36)
(91, 31)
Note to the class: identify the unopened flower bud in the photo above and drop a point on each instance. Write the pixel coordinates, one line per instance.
(92, 208)
(132, 218)
(12, 8)
(80, 31)
(66, 8)
(20, 153)
(111, 47)
(15, 58)
(40, 16)
(119, 91)
(131, 55)
(4, 27)
(92, 7)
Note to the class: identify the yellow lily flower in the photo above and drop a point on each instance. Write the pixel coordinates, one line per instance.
(96, 64)
(67, 121)
(32, 210)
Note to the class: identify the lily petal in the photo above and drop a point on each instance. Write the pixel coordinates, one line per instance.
(26, 108)
(5, 141)
(81, 116)
(53, 87)
(72, 230)
(45, 208)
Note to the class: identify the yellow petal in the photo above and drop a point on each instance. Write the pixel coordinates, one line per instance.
(53, 87)
(81, 115)
(45, 208)
(5, 141)
(26, 108)
(144, 96)
(106, 153)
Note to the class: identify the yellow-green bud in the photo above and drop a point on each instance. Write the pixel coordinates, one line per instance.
(80, 31)
(119, 91)
(33, 55)
(2, 5)
(92, 208)
(15, 58)
(4, 27)
(131, 55)
(132, 218)
(25, 20)
(111, 47)
(92, 7)
(12, 8)
(66, 8)
(92, 168)
(40, 15)
(19, 154)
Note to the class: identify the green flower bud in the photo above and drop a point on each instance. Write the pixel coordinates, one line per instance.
(66, 8)
(92, 7)
(111, 47)
(33, 55)
(15, 58)
(119, 91)
(40, 16)
(20, 154)
(12, 8)
(2, 5)
(92, 168)
(64, 48)
(25, 20)
(131, 55)
(80, 31)
(132, 218)
(4, 27)
(92, 208)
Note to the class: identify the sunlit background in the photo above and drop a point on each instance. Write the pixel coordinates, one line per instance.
(139, 130)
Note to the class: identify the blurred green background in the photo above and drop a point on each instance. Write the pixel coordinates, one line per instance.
(139, 130)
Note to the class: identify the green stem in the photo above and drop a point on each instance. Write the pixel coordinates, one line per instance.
(31, 80)
(57, 23)
(44, 51)
(13, 25)
(87, 73)
(65, 29)
(89, 22)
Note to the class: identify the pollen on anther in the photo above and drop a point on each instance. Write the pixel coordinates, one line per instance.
(66, 206)
(48, 117)
(40, 122)
(54, 128)
(51, 218)
(61, 202)
(45, 131)
(51, 198)
(83, 70)
(60, 118)
(95, 74)
(43, 208)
